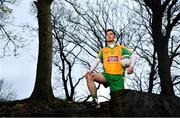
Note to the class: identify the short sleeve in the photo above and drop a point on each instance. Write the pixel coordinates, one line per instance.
(100, 54)
(126, 51)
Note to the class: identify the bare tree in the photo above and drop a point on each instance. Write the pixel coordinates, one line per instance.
(162, 22)
(43, 89)
(161, 34)
(7, 93)
(66, 54)
(146, 75)
(150, 54)
(10, 41)
(67, 61)
(93, 19)
(90, 20)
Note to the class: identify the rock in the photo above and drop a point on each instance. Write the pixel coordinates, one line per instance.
(122, 103)
(136, 103)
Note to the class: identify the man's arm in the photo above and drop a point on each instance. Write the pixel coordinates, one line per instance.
(130, 69)
(133, 59)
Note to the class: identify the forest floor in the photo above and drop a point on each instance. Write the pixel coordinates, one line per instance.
(27, 108)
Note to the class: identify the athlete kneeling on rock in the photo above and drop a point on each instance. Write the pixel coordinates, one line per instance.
(113, 72)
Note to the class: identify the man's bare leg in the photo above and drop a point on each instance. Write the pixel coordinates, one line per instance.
(90, 78)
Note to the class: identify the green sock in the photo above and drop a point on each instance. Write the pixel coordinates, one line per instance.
(94, 97)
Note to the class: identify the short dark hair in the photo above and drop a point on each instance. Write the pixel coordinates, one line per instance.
(108, 30)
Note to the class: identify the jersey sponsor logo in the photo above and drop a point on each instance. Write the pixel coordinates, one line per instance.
(112, 59)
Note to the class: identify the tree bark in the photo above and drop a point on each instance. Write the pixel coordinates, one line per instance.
(161, 46)
(43, 89)
(152, 73)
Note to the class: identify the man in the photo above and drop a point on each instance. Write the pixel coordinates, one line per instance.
(113, 73)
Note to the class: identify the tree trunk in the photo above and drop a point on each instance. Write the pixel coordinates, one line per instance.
(43, 88)
(161, 47)
(164, 73)
(151, 77)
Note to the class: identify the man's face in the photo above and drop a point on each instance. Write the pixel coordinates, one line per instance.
(110, 36)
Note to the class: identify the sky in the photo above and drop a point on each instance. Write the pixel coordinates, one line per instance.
(21, 70)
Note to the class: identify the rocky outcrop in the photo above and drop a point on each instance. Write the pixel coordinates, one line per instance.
(122, 103)
(135, 103)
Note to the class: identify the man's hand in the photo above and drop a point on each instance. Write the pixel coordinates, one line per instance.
(130, 70)
(88, 74)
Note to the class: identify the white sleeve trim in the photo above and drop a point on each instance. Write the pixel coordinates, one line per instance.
(133, 59)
